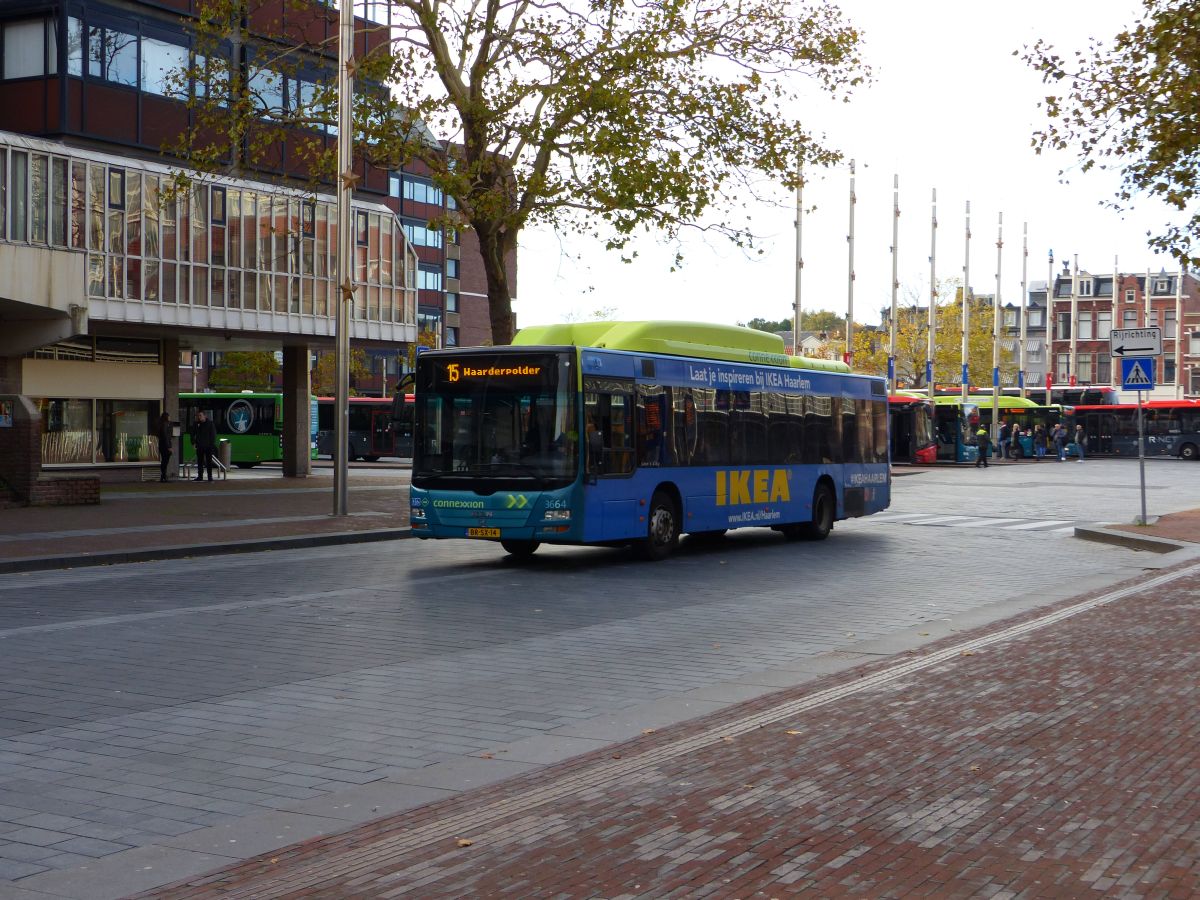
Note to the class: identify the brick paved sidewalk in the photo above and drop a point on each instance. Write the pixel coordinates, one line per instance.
(1026, 759)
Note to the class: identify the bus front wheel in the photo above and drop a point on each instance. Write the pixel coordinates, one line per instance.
(823, 506)
(1189, 451)
(520, 549)
(662, 528)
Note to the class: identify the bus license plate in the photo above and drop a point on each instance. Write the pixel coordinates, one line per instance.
(483, 532)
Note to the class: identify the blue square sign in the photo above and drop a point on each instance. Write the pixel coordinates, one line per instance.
(1137, 374)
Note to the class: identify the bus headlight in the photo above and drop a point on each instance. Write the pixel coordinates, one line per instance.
(557, 515)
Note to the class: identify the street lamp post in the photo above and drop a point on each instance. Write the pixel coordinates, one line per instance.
(345, 260)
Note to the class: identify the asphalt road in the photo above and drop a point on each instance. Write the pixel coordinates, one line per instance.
(159, 719)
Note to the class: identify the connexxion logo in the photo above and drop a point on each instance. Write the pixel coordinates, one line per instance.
(735, 486)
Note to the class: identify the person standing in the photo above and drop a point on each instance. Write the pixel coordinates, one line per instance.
(1039, 441)
(1080, 440)
(1060, 441)
(204, 439)
(983, 443)
(1003, 435)
(166, 439)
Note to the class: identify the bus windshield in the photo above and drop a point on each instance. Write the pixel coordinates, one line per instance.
(506, 420)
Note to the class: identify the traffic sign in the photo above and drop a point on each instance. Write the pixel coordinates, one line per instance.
(1126, 342)
(1137, 374)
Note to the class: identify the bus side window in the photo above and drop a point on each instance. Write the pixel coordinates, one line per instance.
(608, 403)
(651, 406)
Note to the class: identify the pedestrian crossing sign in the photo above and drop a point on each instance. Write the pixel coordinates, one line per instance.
(1137, 374)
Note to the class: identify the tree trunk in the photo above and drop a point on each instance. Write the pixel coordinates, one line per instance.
(494, 246)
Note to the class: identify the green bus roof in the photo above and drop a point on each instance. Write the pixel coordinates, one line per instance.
(692, 339)
(986, 400)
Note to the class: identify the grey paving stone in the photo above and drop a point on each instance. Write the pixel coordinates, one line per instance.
(11, 869)
(125, 873)
(256, 834)
(361, 804)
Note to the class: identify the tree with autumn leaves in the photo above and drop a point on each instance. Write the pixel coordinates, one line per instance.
(912, 339)
(1128, 104)
(606, 119)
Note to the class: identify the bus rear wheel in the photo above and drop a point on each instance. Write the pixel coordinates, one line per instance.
(520, 549)
(371, 458)
(1189, 451)
(823, 506)
(662, 528)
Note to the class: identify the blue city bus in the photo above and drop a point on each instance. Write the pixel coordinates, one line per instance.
(632, 433)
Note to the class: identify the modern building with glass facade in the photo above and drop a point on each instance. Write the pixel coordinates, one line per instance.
(113, 272)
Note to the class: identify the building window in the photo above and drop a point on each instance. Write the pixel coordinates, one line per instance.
(1010, 318)
(429, 279)
(112, 55)
(451, 301)
(1104, 325)
(420, 236)
(1103, 369)
(393, 184)
(1085, 287)
(1153, 323)
(1036, 319)
(1062, 367)
(452, 268)
(1162, 286)
(1194, 343)
(116, 188)
(1169, 370)
(1169, 323)
(30, 49)
(1064, 326)
(362, 229)
(1129, 318)
(164, 69)
(1131, 296)
(420, 191)
(451, 337)
(218, 205)
(1084, 373)
(1085, 325)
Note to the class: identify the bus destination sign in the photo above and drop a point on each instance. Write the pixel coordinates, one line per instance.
(457, 371)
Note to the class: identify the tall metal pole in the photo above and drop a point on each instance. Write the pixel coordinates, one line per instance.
(1051, 319)
(895, 280)
(345, 257)
(1178, 334)
(850, 280)
(796, 321)
(1149, 311)
(966, 310)
(1073, 359)
(1113, 372)
(932, 298)
(1024, 307)
(996, 337)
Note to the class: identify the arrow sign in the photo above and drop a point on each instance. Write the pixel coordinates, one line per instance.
(1126, 342)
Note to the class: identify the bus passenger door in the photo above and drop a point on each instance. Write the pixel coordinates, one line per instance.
(382, 440)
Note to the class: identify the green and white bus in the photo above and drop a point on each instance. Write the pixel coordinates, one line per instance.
(251, 421)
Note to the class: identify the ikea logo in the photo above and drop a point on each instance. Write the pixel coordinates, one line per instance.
(735, 486)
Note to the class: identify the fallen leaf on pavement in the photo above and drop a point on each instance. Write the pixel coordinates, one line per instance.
(463, 842)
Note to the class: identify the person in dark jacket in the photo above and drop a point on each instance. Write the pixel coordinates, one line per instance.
(166, 438)
(204, 439)
(983, 441)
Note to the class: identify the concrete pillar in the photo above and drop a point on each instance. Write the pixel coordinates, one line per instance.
(10, 374)
(170, 403)
(297, 392)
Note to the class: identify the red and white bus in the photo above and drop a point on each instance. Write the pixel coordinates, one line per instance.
(911, 436)
(1171, 427)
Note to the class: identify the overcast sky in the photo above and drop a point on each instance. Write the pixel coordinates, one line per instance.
(952, 110)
